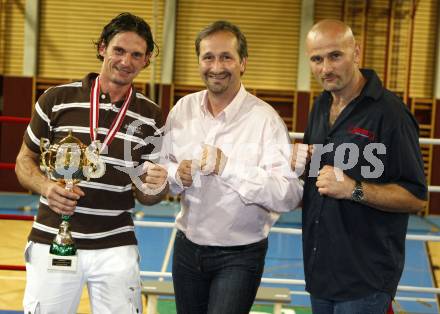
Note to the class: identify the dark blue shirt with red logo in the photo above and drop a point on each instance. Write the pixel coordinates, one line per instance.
(350, 249)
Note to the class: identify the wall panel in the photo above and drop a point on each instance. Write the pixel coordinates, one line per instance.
(68, 30)
(272, 31)
(12, 18)
(424, 47)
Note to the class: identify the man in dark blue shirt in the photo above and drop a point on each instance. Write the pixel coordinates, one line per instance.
(365, 176)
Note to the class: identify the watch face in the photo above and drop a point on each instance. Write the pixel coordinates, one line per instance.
(358, 194)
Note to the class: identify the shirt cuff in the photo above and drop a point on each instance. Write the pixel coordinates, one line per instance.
(175, 187)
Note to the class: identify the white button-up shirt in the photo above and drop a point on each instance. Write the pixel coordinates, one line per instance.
(257, 184)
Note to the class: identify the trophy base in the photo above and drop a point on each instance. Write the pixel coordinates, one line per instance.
(64, 263)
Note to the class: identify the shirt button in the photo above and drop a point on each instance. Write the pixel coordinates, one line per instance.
(314, 249)
(103, 96)
(316, 221)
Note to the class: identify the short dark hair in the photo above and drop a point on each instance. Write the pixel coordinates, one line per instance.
(126, 22)
(224, 26)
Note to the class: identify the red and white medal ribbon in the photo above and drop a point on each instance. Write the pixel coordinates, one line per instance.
(94, 115)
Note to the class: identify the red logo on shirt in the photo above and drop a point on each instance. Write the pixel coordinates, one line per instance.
(362, 132)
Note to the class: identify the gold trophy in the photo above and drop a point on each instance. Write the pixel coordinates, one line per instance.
(69, 161)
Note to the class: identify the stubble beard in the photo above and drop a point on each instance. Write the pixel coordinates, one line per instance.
(334, 86)
(216, 88)
(121, 81)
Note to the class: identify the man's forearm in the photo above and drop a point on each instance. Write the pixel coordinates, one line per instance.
(391, 198)
(29, 174)
(151, 199)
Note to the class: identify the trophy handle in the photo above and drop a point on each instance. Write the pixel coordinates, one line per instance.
(44, 144)
(43, 159)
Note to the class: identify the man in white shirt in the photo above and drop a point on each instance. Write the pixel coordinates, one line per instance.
(227, 153)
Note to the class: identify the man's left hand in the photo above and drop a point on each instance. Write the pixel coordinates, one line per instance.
(334, 183)
(213, 160)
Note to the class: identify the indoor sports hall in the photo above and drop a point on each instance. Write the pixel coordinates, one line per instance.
(47, 43)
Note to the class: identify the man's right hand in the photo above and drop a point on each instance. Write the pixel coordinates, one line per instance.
(184, 174)
(301, 154)
(59, 199)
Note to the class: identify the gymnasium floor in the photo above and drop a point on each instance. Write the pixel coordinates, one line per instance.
(284, 258)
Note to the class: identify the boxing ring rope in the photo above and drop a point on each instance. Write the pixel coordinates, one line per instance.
(293, 231)
(300, 282)
(283, 230)
(10, 119)
(7, 165)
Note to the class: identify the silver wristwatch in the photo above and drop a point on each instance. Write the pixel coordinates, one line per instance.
(358, 192)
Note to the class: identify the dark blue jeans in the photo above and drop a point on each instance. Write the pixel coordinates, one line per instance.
(376, 303)
(216, 280)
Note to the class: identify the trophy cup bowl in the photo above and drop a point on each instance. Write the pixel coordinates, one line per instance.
(64, 162)
(69, 162)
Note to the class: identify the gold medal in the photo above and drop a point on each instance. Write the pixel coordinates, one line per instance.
(96, 166)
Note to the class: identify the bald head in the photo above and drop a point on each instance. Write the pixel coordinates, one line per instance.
(334, 56)
(331, 30)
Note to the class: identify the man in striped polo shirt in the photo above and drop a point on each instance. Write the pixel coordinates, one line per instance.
(101, 107)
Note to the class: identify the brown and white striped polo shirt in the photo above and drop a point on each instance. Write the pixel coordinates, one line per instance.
(102, 218)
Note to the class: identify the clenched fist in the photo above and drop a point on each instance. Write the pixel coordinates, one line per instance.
(301, 154)
(213, 160)
(155, 177)
(185, 173)
(60, 199)
(333, 182)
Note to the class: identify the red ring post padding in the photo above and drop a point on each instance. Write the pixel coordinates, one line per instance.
(7, 165)
(13, 267)
(14, 119)
(16, 217)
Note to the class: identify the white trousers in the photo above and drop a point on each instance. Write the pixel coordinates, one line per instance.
(112, 278)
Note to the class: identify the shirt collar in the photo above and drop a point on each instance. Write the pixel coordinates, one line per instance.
(373, 87)
(88, 80)
(231, 110)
